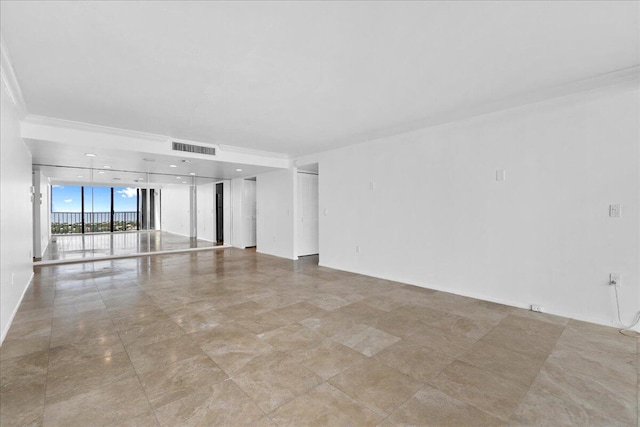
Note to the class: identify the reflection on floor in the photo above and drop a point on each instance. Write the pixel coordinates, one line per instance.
(78, 246)
(231, 337)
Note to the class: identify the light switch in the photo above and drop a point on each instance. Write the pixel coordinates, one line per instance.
(614, 211)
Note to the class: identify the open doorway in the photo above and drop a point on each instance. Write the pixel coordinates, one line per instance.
(220, 213)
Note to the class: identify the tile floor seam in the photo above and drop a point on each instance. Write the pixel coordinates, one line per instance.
(294, 398)
(46, 384)
(144, 390)
(405, 401)
(542, 365)
(229, 377)
(505, 419)
(146, 396)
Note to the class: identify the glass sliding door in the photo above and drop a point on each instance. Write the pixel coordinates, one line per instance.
(97, 209)
(66, 209)
(125, 209)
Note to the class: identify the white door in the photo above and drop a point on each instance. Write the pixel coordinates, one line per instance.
(206, 218)
(308, 232)
(249, 213)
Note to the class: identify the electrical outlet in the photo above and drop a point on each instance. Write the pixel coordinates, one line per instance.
(615, 280)
(537, 308)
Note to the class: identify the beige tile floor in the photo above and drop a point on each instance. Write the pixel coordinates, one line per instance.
(96, 245)
(232, 337)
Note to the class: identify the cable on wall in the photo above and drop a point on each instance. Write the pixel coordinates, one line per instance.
(627, 328)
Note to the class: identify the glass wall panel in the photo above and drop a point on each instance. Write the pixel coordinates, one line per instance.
(97, 209)
(66, 209)
(125, 208)
(101, 212)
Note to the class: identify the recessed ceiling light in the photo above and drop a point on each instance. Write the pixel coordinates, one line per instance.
(107, 167)
(89, 154)
(183, 182)
(172, 166)
(79, 176)
(238, 170)
(192, 173)
(178, 177)
(100, 172)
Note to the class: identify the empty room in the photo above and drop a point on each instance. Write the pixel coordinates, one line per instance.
(367, 213)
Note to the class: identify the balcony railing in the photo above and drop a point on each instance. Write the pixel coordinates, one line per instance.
(94, 222)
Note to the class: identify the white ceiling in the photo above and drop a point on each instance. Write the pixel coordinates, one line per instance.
(301, 77)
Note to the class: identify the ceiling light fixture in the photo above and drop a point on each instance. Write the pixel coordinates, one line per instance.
(107, 167)
(100, 172)
(238, 170)
(79, 176)
(172, 166)
(192, 173)
(89, 154)
(178, 177)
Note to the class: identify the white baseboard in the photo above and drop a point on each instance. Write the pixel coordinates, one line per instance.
(15, 310)
(483, 297)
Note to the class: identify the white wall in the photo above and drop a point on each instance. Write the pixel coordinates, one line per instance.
(176, 212)
(275, 195)
(435, 216)
(41, 225)
(16, 230)
(206, 212)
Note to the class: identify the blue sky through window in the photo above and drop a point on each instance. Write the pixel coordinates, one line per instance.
(67, 198)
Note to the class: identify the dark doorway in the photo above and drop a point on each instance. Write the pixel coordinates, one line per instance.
(219, 214)
(148, 223)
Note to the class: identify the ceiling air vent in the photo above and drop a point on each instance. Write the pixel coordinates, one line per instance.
(195, 149)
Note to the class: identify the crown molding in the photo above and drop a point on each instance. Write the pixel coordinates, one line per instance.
(87, 127)
(625, 77)
(9, 79)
